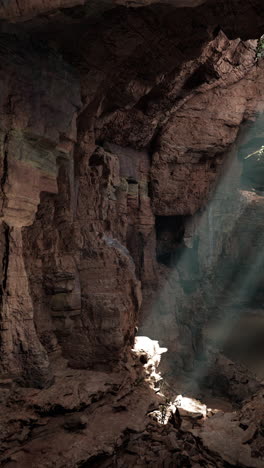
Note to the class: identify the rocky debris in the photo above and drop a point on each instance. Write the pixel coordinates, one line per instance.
(116, 124)
(68, 424)
(73, 416)
(206, 443)
(225, 435)
(229, 379)
(70, 421)
(75, 423)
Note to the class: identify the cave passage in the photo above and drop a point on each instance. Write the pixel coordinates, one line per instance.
(170, 234)
(132, 199)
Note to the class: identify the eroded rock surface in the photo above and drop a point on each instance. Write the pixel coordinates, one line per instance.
(104, 419)
(124, 190)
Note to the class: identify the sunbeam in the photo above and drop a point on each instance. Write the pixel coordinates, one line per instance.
(198, 261)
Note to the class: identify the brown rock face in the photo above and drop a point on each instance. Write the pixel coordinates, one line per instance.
(24, 9)
(33, 135)
(123, 190)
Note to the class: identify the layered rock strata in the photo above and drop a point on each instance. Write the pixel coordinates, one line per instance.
(123, 129)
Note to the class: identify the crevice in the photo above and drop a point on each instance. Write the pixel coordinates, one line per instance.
(95, 460)
(5, 165)
(154, 144)
(5, 260)
(18, 7)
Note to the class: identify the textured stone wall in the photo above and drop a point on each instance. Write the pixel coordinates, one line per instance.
(126, 202)
(109, 125)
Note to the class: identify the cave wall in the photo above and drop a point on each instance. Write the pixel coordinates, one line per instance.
(112, 119)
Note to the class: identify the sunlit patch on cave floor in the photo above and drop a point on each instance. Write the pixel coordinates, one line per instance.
(242, 287)
(149, 353)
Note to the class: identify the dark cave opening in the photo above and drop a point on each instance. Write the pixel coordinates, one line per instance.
(203, 74)
(170, 233)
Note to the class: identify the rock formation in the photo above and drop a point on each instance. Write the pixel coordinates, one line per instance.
(127, 202)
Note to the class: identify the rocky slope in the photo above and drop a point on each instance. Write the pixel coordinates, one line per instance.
(126, 202)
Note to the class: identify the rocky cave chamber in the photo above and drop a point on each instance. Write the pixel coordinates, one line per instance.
(132, 203)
